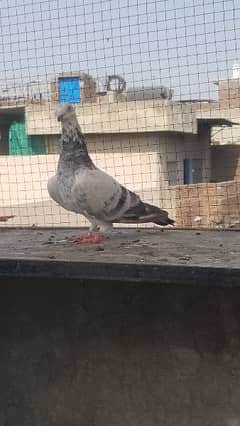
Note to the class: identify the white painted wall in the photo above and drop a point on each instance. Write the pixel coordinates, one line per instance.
(137, 161)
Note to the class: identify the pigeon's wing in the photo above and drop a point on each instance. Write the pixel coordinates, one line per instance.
(99, 195)
(145, 213)
(102, 197)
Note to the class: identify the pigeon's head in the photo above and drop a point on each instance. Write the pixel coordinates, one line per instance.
(65, 112)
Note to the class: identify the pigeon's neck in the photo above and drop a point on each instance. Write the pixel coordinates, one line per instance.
(73, 146)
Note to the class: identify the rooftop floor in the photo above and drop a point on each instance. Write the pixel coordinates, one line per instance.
(141, 255)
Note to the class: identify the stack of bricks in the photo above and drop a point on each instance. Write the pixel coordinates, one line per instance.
(229, 93)
(208, 204)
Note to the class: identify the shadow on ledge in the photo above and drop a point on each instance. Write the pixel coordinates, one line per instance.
(96, 353)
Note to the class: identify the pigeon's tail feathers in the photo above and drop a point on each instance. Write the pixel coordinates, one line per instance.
(163, 221)
(146, 213)
(160, 217)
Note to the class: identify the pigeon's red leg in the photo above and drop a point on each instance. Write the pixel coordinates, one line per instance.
(88, 238)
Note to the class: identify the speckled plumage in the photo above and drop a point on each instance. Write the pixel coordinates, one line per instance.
(81, 187)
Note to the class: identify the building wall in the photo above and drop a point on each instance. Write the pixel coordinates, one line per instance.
(229, 104)
(226, 135)
(108, 116)
(138, 161)
(225, 163)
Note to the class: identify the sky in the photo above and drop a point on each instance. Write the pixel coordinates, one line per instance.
(182, 44)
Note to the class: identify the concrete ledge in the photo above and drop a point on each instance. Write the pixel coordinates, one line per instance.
(204, 258)
(159, 274)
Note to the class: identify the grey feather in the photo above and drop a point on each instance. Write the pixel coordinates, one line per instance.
(81, 187)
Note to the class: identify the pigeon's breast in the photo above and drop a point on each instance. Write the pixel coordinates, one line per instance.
(78, 201)
(66, 183)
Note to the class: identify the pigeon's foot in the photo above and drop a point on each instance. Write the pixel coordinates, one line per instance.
(88, 238)
(5, 218)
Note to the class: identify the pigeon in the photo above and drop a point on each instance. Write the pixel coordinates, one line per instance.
(81, 187)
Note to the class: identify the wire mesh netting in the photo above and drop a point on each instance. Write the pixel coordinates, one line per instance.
(156, 89)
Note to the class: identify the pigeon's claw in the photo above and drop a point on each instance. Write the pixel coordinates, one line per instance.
(88, 238)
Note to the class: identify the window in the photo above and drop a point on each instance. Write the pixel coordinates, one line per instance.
(172, 173)
(69, 89)
(193, 170)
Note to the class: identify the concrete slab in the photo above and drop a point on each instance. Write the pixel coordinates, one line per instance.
(140, 255)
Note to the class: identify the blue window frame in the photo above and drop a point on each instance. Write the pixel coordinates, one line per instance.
(69, 90)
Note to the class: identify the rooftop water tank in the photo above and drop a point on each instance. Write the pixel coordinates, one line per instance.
(141, 93)
(236, 71)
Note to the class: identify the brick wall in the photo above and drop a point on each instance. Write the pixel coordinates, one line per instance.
(229, 93)
(208, 204)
